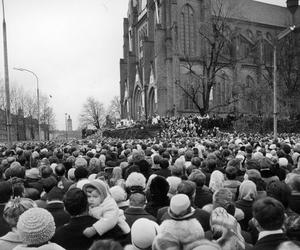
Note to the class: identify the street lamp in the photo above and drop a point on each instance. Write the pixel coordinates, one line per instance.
(277, 39)
(7, 95)
(66, 121)
(38, 97)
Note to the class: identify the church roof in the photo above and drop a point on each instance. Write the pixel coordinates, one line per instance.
(257, 12)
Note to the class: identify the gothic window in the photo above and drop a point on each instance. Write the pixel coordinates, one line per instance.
(142, 33)
(187, 30)
(268, 53)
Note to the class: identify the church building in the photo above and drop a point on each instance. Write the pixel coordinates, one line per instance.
(184, 57)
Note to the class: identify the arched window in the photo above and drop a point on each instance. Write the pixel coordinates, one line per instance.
(187, 30)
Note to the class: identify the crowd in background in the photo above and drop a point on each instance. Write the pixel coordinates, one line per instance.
(219, 191)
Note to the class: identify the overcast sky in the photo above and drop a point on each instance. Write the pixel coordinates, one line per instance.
(74, 46)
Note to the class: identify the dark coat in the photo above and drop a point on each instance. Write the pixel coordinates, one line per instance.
(270, 242)
(4, 227)
(59, 214)
(163, 172)
(202, 197)
(155, 204)
(201, 215)
(246, 206)
(134, 213)
(70, 235)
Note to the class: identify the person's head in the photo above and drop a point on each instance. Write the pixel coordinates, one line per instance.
(156, 159)
(81, 173)
(36, 226)
(224, 198)
(143, 232)
(231, 172)
(96, 192)
(188, 188)
(188, 155)
(106, 245)
(268, 214)
(75, 201)
(293, 181)
(279, 191)
(60, 169)
(80, 162)
(14, 208)
(198, 178)
(137, 199)
(196, 161)
(216, 180)
(5, 191)
(247, 190)
(46, 171)
(164, 163)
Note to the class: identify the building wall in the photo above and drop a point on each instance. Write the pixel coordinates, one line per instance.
(22, 129)
(155, 51)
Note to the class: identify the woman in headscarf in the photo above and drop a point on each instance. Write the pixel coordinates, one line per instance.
(247, 195)
(216, 180)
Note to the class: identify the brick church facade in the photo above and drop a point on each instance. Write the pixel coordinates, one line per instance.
(161, 37)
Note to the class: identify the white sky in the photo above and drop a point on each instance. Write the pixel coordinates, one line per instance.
(74, 46)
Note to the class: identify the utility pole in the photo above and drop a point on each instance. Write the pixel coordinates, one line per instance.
(7, 94)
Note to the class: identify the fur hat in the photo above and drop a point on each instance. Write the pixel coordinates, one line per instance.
(143, 232)
(180, 207)
(36, 226)
(136, 179)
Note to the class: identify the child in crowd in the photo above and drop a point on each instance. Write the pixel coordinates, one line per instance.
(104, 208)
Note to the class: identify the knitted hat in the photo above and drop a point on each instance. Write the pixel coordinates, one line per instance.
(203, 244)
(257, 155)
(36, 226)
(143, 232)
(55, 193)
(71, 174)
(180, 207)
(118, 193)
(253, 173)
(136, 179)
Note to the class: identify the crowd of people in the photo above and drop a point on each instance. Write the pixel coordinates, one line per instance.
(218, 191)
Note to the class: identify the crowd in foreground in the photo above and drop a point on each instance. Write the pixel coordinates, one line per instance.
(225, 191)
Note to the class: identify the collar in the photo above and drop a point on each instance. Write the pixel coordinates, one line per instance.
(269, 232)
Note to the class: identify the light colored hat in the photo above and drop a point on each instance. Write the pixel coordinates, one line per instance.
(180, 207)
(33, 173)
(80, 162)
(297, 147)
(118, 193)
(36, 226)
(283, 162)
(258, 156)
(136, 179)
(143, 232)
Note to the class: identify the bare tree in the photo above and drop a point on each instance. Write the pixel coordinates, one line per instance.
(114, 109)
(46, 112)
(92, 114)
(219, 54)
(288, 73)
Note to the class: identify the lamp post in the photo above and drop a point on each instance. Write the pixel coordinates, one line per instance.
(38, 97)
(7, 95)
(278, 38)
(66, 121)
